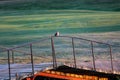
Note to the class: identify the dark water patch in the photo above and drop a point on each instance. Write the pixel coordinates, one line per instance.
(21, 36)
(62, 30)
(90, 29)
(44, 12)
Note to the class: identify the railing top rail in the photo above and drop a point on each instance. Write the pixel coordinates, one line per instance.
(22, 45)
(85, 40)
(42, 39)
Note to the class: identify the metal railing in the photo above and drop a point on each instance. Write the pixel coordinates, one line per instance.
(74, 55)
(9, 50)
(12, 50)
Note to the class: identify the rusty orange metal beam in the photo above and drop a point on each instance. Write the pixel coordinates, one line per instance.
(67, 76)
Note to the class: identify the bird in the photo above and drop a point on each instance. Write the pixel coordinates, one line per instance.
(57, 33)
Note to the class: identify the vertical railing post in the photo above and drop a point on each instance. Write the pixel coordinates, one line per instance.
(9, 65)
(93, 56)
(53, 53)
(74, 53)
(12, 56)
(111, 57)
(31, 53)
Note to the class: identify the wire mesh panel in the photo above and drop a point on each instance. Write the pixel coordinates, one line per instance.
(32, 57)
(42, 51)
(63, 51)
(83, 54)
(3, 57)
(42, 54)
(20, 61)
(22, 54)
(102, 57)
(4, 72)
(116, 57)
